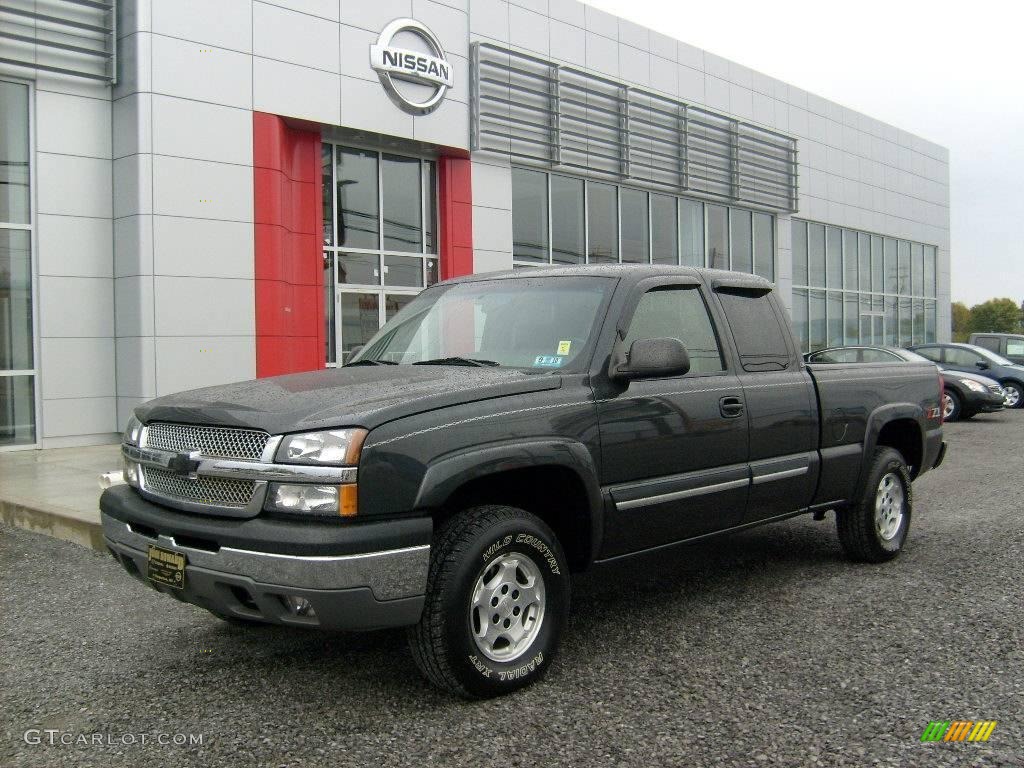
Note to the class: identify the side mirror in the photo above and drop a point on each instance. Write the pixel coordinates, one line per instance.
(983, 365)
(650, 358)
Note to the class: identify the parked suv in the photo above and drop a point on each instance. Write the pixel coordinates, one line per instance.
(1008, 345)
(966, 357)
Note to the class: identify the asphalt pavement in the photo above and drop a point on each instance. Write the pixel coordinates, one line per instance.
(763, 648)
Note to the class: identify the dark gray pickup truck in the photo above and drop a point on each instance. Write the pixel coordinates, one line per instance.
(498, 434)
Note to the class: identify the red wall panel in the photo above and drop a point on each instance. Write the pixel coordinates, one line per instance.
(455, 211)
(288, 257)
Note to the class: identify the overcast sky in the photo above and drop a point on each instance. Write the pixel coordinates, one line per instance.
(950, 72)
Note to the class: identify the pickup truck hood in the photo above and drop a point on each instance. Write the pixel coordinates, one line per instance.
(364, 396)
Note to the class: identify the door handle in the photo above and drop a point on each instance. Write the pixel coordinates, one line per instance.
(731, 406)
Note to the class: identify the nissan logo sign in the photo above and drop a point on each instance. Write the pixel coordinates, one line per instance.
(415, 79)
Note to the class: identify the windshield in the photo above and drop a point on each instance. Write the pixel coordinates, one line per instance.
(542, 323)
(997, 359)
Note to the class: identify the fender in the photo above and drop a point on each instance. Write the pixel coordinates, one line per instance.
(877, 420)
(450, 472)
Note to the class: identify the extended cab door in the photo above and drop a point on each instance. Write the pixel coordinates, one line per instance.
(674, 449)
(781, 406)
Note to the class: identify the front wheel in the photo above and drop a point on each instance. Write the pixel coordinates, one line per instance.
(1012, 395)
(874, 528)
(497, 603)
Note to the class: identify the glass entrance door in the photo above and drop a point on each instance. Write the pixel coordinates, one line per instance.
(380, 240)
(17, 350)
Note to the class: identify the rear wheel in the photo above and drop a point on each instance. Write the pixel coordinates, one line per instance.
(497, 603)
(1012, 395)
(951, 406)
(874, 529)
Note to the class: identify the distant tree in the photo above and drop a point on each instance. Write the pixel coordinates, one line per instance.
(995, 315)
(961, 321)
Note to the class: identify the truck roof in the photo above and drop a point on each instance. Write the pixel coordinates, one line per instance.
(633, 272)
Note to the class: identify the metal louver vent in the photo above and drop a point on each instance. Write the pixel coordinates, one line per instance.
(557, 116)
(67, 37)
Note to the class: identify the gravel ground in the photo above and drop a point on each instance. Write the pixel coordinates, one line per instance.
(765, 648)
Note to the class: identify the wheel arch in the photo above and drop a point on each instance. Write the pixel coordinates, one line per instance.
(555, 479)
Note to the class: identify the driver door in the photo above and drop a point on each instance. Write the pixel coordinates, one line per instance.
(674, 449)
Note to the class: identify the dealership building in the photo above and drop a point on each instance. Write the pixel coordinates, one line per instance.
(197, 192)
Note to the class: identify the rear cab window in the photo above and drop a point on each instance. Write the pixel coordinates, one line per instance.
(757, 330)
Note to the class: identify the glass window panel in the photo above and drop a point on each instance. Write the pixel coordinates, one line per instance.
(816, 254)
(358, 209)
(14, 155)
(800, 326)
(835, 319)
(718, 236)
(764, 245)
(359, 268)
(567, 233)
(394, 302)
(891, 322)
(851, 329)
(403, 270)
(680, 314)
(741, 240)
(15, 300)
(851, 260)
(360, 319)
(834, 258)
(864, 260)
(17, 410)
(329, 339)
(691, 224)
(891, 267)
(635, 227)
(431, 270)
(529, 215)
(929, 270)
(816, 313)
(876, 326)
(403, 204)
(929, 322)
(603, 223)
(917, 268)
(327, 182)
(903, 281)
(919, 329)
(906, 323)
(799, 253)
(876, 264)
(430, 195)
(759, 337)
(664, 235)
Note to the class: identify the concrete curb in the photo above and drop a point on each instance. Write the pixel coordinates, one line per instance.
(53, 521)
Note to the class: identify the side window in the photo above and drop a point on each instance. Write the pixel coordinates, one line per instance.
(878, 356)
(965, 358)
(835, 356)
(1015, 347)
(990, 343)
(755, 325)
(678, 313)
(932, 353)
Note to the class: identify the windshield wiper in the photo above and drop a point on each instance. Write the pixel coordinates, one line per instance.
(469, 361)
(367, 361)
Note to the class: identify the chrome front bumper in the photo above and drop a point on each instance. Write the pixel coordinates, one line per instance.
(358, 591)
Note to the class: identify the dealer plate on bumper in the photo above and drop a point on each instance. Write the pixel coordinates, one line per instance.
(166, 567)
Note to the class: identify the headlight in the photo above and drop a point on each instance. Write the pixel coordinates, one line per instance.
(132, 431)
(130, 472)
(974, 386)
(338, 447)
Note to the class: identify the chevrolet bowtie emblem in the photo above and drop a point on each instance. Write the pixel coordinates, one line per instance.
(185, 463)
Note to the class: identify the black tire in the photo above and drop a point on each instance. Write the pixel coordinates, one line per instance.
(468, 547)
(956, 405)
(858, 529)
(1013, 385)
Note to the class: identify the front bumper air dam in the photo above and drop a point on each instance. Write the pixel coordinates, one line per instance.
(356, 591)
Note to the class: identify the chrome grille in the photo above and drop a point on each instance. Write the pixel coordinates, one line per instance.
(215, 491)
(223, 442)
